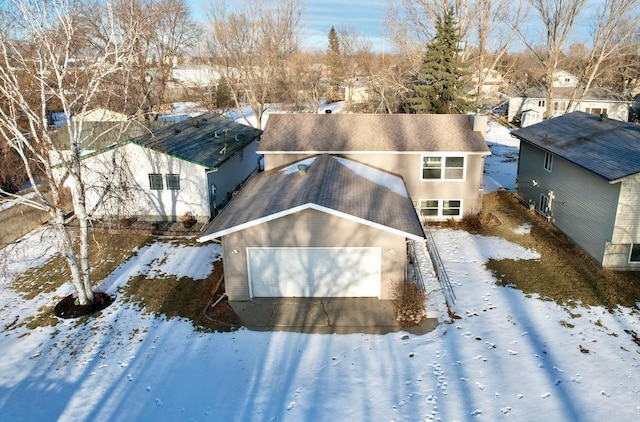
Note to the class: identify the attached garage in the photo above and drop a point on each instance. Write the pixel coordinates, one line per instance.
(314, 272)
(333, 229)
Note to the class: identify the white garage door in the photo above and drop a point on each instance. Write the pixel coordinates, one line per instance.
(314, 272)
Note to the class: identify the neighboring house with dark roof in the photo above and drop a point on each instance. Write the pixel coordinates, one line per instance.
(193, 166)
(597, 101)
(439, 156)
(336, 208)
(582, 172)
(97, 135)
(325, 226)
(103, 115)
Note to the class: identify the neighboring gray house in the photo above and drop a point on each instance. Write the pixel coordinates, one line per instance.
(582, 172)
(439, 156)
(322, 227)
(193, 166)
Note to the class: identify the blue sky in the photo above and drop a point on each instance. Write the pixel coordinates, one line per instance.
(365, 16)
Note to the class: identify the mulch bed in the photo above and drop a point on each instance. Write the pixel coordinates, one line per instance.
(67, 307)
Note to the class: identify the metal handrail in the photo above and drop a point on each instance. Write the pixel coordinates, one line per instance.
(441, 273)
(419, 280)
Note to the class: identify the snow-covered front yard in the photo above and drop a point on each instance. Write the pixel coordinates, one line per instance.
(509, 357)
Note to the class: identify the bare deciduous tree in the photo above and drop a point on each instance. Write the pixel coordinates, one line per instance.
(306, 81)
(46, 58)
(494, 24)
(558, 18)
(251, 43)
(613, 36)
(162, 29)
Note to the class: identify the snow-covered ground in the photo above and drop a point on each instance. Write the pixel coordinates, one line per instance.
(501, 166)
(509, 356)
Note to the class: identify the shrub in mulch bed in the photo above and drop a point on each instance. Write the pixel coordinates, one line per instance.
(67, 307)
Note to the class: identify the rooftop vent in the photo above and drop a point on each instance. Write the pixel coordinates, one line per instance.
(604, 117)
(303, 168)
(195, 124)
(328, 111)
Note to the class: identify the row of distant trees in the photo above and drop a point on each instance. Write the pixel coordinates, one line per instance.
(72, 56)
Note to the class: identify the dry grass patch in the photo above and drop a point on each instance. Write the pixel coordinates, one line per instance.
(563, 273)
(183, 298)
(108, 249)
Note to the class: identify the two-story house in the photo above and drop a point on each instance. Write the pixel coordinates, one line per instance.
(340, 197)
(582, 172)
(440, 157)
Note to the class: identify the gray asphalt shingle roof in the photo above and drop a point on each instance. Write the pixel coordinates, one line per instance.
(328, 183)
(610, 149)
(207, 140)
(335, 133)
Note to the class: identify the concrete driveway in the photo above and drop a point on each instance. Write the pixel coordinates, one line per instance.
(324, 316)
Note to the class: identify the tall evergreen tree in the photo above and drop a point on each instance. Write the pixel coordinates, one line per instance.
(439, 83)
(334, 62)
(223, 94)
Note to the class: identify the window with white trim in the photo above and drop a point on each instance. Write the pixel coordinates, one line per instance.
(429, 208)
(543, 205)
(155, 181)
(173, 181)
(595, 110)
(451, 207)
(435, 208)
(559, 106)
(548, 161)
(442, 168)
(634, 255)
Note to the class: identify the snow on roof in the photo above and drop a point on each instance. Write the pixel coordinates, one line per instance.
(387, 180)
(293, 168)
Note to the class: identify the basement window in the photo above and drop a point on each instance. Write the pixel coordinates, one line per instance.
(634, 256)
(440, 208)
(155, 181)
